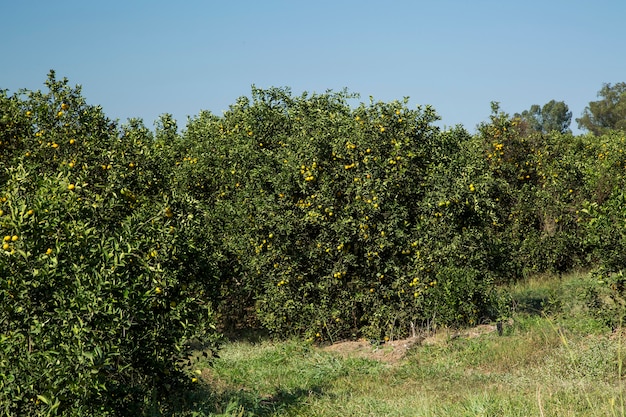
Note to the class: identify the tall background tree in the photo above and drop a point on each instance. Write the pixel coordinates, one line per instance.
(609, 113)
(553, 116)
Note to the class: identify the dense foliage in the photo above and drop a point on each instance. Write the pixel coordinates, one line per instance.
(553, 116)
(305, 215)
(608, 113)
(98, 296)
(341, 220)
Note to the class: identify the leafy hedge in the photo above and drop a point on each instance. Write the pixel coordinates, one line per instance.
(342, 222)
(98, 297)
(305, 215)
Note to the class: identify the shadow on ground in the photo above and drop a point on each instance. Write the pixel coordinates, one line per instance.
(245, 402)
(535, 302)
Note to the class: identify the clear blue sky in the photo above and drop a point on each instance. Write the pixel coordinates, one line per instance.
(144, 58)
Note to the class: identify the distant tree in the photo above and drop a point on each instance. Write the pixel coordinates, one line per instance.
(609, 113)
(554, 115)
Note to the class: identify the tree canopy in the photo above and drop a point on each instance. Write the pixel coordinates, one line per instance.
(606, 114)
(553, 116)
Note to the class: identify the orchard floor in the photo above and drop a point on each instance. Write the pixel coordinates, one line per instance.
(553, 358)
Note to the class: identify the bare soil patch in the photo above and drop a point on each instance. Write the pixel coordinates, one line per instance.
(394, 351)
(389, 352)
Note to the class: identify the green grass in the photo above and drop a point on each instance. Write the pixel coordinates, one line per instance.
(555, 359)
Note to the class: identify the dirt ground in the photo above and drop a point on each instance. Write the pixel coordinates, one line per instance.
(394, 351)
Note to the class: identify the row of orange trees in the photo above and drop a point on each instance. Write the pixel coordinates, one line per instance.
(342, 222)
(99, 296)
(122, 246)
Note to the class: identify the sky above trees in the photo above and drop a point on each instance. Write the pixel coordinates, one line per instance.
(145, 58)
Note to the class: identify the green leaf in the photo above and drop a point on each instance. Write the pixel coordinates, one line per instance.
(43, 399)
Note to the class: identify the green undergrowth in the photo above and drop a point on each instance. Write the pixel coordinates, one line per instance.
(556, 356)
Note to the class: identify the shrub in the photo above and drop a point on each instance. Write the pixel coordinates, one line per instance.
(332, 223)
(545, 178)
(98, 297)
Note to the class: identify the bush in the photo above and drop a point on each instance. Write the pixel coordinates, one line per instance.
(98, 297)
(545, 178)
(339, 222)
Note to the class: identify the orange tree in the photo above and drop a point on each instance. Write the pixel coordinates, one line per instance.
(97, 293)
(340, 222)
(600, 214)
(562, 204)
(543, 179)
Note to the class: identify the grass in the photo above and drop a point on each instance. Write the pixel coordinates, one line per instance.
(555, 359)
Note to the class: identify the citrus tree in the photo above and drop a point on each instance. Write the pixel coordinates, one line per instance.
(98, 296)
(341, 222)
(543, 182)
